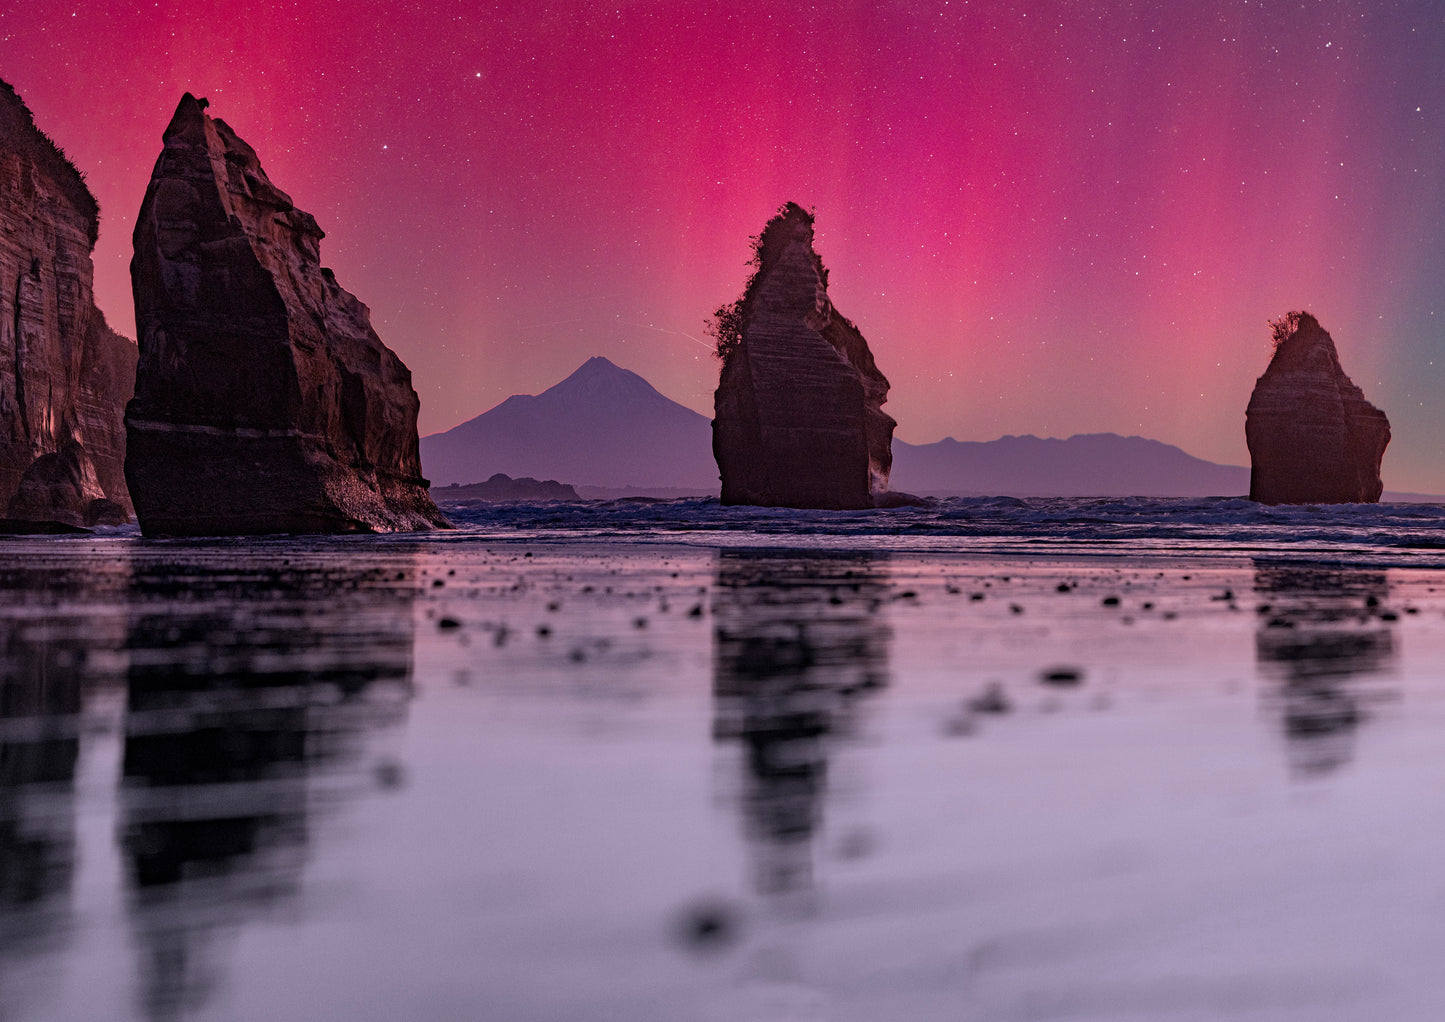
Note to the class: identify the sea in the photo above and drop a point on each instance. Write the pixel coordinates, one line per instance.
(988, 758)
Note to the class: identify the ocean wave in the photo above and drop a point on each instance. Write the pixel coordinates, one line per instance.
(1202, 525)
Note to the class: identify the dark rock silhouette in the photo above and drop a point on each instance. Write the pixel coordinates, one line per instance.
(798, 409)
(1313, 438)
(64, 374)
(502, 488)
(264, 401)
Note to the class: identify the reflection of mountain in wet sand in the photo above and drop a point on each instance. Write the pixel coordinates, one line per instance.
(1322, 629)
(798, 641)
(245, 685)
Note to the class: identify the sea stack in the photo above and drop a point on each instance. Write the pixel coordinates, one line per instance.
(264, 400)
(64, 374)
(1313, 438)
(798, 409)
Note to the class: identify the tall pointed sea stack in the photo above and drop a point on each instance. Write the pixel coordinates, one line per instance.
(1313, 438)
(64, 375)
(264, 400)
(798, 409)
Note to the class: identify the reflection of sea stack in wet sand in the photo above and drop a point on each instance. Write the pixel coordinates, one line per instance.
(265, 402)
(799, 419)
(1313, 438)
(64, 374)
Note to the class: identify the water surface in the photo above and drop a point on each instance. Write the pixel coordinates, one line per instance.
(627, 766)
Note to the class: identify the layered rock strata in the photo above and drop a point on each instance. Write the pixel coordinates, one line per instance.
(64, 374)
(264, 400)
(1313, 438)
(798, 409)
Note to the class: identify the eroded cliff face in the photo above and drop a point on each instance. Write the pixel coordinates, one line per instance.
(1313, 438)
(64, 374)
(264, 400)
(798, 409)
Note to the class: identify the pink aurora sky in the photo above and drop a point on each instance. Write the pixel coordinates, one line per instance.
(1050, 217)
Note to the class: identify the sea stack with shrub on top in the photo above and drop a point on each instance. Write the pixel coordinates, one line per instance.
(798, 419)
(1313, 438)
(264, 400)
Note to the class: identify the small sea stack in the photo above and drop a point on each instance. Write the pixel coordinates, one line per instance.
(264, 401)
(798, 419)
(65, 376)
(1313, 438)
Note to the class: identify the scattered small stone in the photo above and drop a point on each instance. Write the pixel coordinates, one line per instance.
(1224, 597)
(975, 597)
(543, 631)
(1388, 615)
(960, 725)
(1014, 608)
(639, 622)
(696, 610)
(990, 700)
(447, 623)
(856, 844)
(1110, 601)
(389, 774)
(708, 927)
(1064, 587)
(437, 583)
(1062, 676)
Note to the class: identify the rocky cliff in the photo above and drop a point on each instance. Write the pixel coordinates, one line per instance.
(798, 408)
(64, 374)
(1313, 438)
(264, 400)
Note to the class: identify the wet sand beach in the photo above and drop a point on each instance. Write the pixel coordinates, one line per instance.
(493, 777)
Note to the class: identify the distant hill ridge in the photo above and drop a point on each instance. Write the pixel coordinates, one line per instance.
(607, 427)
(504, 489)
(1084, 465)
